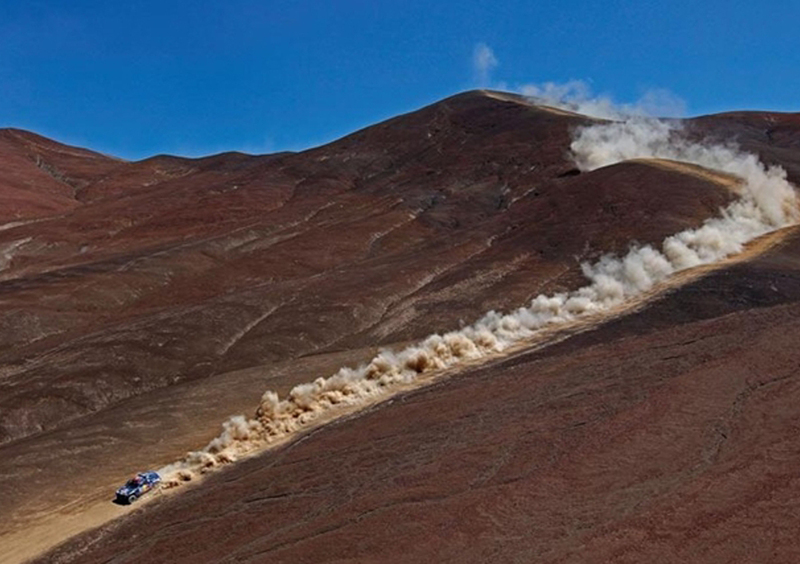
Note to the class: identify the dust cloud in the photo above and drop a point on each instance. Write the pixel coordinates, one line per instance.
(766, 202)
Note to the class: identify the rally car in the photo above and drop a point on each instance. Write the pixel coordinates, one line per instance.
(140, 484)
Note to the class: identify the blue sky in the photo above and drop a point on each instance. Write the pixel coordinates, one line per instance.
(138, 78)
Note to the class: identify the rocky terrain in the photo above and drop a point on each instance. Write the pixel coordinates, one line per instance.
(143, 302)
(666, 436)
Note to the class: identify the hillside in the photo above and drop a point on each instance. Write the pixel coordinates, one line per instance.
(232, 261)
(668, 435)
(144, 302)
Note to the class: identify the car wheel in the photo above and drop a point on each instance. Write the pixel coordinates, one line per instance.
(131, 498)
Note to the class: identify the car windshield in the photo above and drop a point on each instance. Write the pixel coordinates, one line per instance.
(132, 483)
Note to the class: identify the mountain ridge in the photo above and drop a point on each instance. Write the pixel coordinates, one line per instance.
(168, 293)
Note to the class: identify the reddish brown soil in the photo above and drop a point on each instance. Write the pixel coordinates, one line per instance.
(33, 186)
(775, 137)
(144, 302)
(674, 443)
(174, 270)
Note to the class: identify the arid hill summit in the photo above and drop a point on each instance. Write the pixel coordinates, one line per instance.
(144, 302)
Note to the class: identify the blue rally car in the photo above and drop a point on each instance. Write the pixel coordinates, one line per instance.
(137, 486)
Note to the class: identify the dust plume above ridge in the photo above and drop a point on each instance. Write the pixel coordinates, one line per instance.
(576, 96)
(767, 201)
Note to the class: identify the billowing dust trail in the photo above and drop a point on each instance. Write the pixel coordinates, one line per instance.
(43, 534)
(615, 286)
(766, 203)
(289, 418)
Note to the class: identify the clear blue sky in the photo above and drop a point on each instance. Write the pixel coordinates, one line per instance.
(137, 78)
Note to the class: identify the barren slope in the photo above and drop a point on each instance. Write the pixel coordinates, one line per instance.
(169, 293)
(669, 435)
(40, 177)
(402, 229)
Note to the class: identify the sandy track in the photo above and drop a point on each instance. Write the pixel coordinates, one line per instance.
(37, 526)
(39, 532)
(59, 484)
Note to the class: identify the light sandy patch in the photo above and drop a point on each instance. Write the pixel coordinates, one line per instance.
(730, 181)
